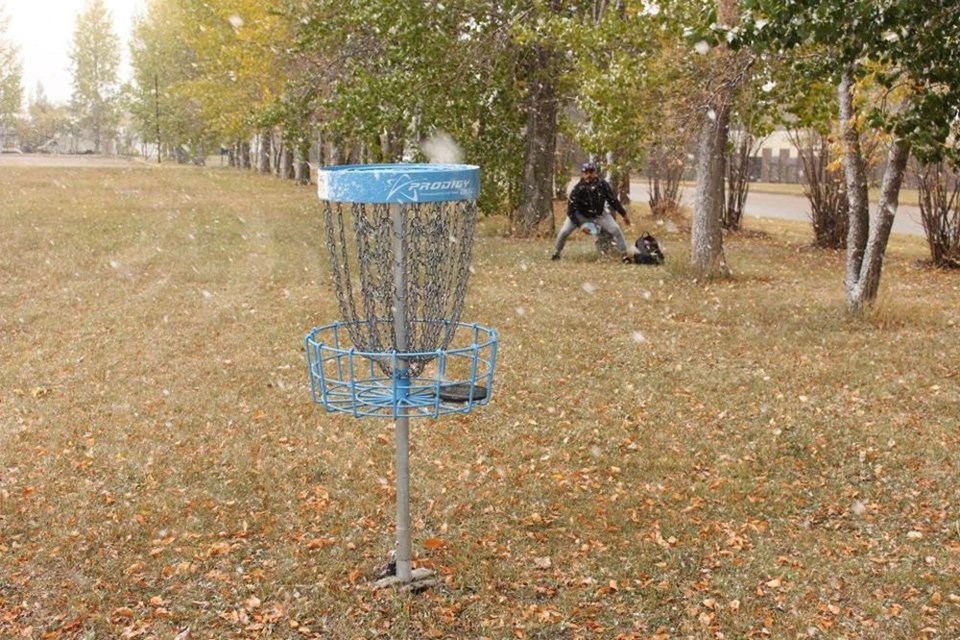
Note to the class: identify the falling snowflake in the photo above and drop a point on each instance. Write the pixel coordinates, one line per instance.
(639, 337)
(589, 287)
(236, 21)
(702, 47)
(520, 311)
(651, 9)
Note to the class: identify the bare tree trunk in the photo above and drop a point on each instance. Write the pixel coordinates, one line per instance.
(536, 201)
(855, 174)
(864, 290)
(288, 169)
(245, 154)
(302, 173)
(707, 232)
(263, 152)
(867, 237)
(562, 161)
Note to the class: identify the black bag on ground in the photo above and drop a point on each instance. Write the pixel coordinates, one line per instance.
(646, 250)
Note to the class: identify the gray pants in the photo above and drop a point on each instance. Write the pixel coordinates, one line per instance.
(605, 222)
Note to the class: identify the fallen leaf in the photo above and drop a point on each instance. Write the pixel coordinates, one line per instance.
(434, 543)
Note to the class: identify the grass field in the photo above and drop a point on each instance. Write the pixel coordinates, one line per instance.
(661, 458)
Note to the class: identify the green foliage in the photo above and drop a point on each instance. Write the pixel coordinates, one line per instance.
(162, 64)
(45, 121)
(387, 75)
(207, 73)
(906, 46)
(11, 92)
(95, 61)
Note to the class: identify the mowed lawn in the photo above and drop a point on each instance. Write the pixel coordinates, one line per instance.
(661, 458)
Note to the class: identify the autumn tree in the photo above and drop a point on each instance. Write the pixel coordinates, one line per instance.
(905, 47)
(388, 76)
(11, 92)
(45, 121)
(163, 111)
(95, 62)
(727, 71)
(541, 65)
(239, 47)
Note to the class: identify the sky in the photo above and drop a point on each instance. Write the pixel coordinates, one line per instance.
(43, 30)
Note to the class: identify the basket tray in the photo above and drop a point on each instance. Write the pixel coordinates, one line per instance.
(347, 380)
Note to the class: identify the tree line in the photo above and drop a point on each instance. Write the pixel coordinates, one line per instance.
(641, 85)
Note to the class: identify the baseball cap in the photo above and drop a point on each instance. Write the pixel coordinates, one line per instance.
(588, 166)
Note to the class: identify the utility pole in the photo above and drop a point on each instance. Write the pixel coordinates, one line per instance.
(156, 104)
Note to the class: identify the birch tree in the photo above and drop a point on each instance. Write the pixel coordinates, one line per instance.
(11, 72)
(95, 62)
(164, 112)
(907, 48)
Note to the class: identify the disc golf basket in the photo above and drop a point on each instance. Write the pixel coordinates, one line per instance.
(399, 239)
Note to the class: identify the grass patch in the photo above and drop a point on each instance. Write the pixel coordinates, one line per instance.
(661, 457)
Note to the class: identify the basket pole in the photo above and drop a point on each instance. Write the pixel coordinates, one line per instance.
(401, 384)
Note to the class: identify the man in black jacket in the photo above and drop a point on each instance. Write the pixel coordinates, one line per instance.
(587, 203)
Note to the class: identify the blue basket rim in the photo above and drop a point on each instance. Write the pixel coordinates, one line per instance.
(399, 183)
(489, 337)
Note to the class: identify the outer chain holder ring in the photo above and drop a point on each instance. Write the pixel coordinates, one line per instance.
(347, 380)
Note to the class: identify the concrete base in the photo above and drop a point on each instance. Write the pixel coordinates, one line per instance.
(420, 580)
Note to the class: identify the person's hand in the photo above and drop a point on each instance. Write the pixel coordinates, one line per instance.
(626, 220)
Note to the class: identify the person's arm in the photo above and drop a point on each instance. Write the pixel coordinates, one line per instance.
(573, 205)
(614, 203)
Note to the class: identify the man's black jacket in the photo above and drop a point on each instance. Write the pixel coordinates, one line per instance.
(587, 199)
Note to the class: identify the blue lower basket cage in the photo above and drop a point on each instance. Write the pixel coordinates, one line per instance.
(347, 380)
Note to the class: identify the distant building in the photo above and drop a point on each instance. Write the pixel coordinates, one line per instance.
(69, 143)
(9, 140)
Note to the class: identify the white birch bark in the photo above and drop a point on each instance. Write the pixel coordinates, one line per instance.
(864, 291)
(855, 175)
(868, 235)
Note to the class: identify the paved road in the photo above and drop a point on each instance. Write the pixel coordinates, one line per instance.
(788, 207)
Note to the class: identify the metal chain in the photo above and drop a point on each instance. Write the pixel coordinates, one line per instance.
(436, 242)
